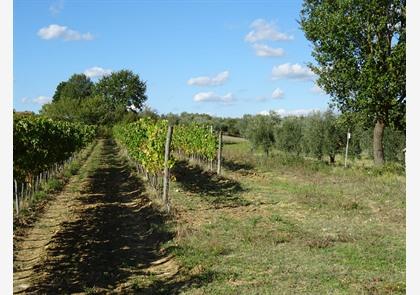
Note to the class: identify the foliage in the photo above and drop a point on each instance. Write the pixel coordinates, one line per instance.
(314, 135)
(122, 88)
(62, 109)
(394, 145)
(261, 133)
(359, 47)
(289, 135)
(57, 94)
(78, 87)
(195, 140)
(145, 142)
(91, 110)
(322, 134)
(335, 135)
(227, 125)
(39, 143)
(105, 103)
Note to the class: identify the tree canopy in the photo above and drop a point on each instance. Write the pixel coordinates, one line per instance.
(359, 47)
(106, 102)
(122, 88)
(78, 87)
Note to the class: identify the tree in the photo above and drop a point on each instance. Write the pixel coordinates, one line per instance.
(260, 132)
(91, 110)
(335, 135)
(122, 88)
(58, 91)
(314, 135)
(77, 87)
(289, 135)
(94, 110)
(62, 109)
(359, 47)
(148, 112)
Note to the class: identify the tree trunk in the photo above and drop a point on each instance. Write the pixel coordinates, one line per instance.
(378, 146)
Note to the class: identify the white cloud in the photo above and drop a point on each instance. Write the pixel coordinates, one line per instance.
(285, 113)
(219, 79)
(38, 100)
(63, 32)
(277, 93)
(295, 71)
(265, 50)
(56, 7)
(317, 89)
(42, 100)
(263, 30)
(213, 97)
(97, 72)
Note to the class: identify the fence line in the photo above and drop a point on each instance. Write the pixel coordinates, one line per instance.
(24, 192)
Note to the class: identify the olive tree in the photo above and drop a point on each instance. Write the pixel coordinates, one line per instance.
(289, 135)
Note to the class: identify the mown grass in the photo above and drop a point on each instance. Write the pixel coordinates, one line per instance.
(302, 227)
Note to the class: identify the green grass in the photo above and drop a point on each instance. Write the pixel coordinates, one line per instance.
(239, 150)
(303, 227)
(53, 185)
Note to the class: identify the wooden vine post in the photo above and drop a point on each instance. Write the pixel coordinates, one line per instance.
(166, 168)
(219, 155)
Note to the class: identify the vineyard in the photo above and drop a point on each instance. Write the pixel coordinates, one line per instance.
(144, 142)
(40, 150)
(43, 146)
(260, 209)
(266, 157)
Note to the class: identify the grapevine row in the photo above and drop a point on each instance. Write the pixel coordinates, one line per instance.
(144, 142)
(40, 143)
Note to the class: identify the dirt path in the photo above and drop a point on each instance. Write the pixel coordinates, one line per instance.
(100, 235)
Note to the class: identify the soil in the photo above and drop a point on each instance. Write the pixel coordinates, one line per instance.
(101, 235)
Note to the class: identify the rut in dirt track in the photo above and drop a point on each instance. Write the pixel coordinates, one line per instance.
(115, 233)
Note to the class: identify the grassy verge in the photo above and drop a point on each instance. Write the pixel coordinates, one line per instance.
(273, 227)
(238, 154)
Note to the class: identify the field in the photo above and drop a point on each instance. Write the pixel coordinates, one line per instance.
(273, 225)
(292, 229)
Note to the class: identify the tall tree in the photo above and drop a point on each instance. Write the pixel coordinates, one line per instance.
(359, 47)
(78, 87)
(58, 91)
(123, 88)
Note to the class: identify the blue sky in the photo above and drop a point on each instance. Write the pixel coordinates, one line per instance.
(225, 58)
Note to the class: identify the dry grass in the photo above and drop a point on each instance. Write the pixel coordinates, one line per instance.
(303, 230)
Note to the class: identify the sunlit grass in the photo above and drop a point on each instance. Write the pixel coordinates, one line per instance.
(306, 228)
